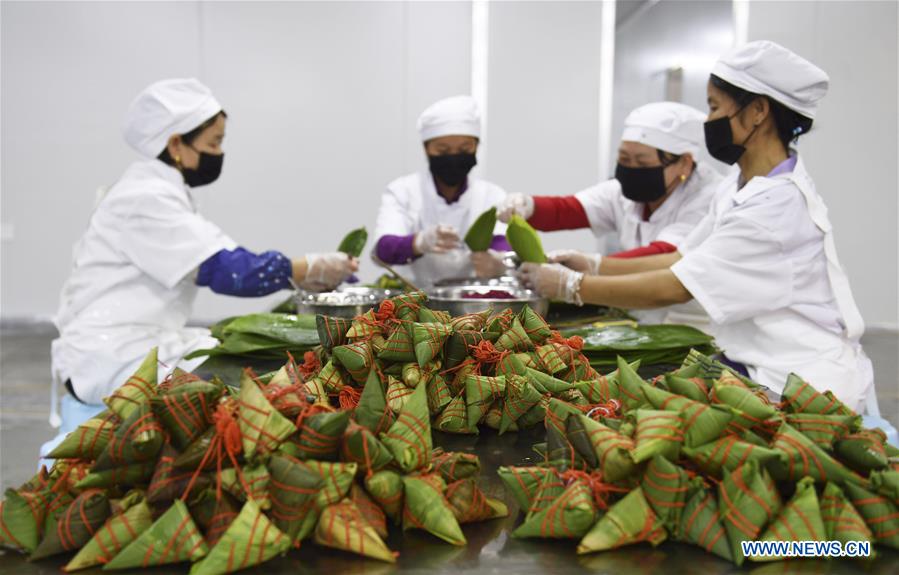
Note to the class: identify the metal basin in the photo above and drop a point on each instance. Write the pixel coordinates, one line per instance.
(346, 302)
(453, 299)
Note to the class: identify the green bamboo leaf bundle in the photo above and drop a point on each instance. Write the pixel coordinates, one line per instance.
(116, 534)
(251, 483)
(665, 487)
(126, 476)
(480, 393)
(534, 325)
(881, 515)
(702, 423)
(560, 453)
(701, 525)
(470, 322)
(293, 489)
(694, 388)
(262, 427)
(337, 477)
(354, 242)
(331, 331)
(454, 417)
(612, 450)
(630, 386)
(545, 383)
(750, 409)
(886, 483)
(525, 241)
(842, 521)
(342, 526)
(804, 457)
(799, 520)
(600, 390)
(515, 338)
(729, 452)
(372, 411)
(371, 511)
(520, 397)
(89, 439)
(409, 438)
(455, 465)
(406, 305)
(630, 520)
(470, 504)
(172, 538)
(22, 517)
(186, 410)
(356, 358)
(457, 347)
(524, 483)
(800, 397)
(426, 508)
(250, 540)
(822, 429)
(168, 483)
(386, 488)
(651, 344)
(439, 394)
(658, 433)
(748, 500)
(550, 360)
(569, 515)
(139, 438)
(319, 435)
(428, 339)
(213, 513)
(362, 447)
(863, 451)
(398, 393)
(399, 346)
(139, 388)
(511, 365)
(480, 234)
(364, 326)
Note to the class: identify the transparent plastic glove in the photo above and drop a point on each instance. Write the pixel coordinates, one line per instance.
(588, 264)
(436, 240)
(488, 264)
(514, 204)
(327, 271)
(553, 281)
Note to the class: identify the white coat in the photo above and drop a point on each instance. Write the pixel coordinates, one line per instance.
(133, 282)
(411, 204)
(764, 266)
(609, 211)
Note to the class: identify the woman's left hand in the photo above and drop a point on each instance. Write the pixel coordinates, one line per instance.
(553, 281)
(488, 264)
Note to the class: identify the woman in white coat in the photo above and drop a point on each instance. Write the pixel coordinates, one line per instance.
(661, 190)
(424, 215)
(762, 263)
(147, 251)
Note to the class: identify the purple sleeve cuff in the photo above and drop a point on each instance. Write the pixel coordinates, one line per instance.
(395, 250)
(500, 244)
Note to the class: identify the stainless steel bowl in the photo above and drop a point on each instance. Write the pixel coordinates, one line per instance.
(345, 302)
(452, 299)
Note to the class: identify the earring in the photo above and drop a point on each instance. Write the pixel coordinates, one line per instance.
(683, 178)
(178, 161)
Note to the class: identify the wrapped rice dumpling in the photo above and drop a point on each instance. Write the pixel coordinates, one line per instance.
(342, 526)
(372, 411)
(250, 540)
(332, 331)
(800, 397)
(370, 510)
(520, 397)
(455, 465)
(399, 346)
(293, 490)
(139, 438)
(386, 488)
(262, 427)
(630, 520)
(523, 483)
(800, 519)
(480, 393)
(426, 508)
(89, 440)
(658, 433)
(360, 446)
(356, 358)
(702, 423)
(139, 388)
(116, 534)
(881, 515)
(172, 538)
(701, 524)
(611, 450)
(454, 417)
(565, 515)
(429, 339)
(186, 410)
(665, 487)
(863, 451)
(469, 504)
(728, 453)
(409, 438)
(823, 429)
(747, 500)
(804, 457)
(841, 520)
(319, 435)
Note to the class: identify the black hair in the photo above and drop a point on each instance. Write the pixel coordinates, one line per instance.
(789, 124)
(189, 138)
(667, 158)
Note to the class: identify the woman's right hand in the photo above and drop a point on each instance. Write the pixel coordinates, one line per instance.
(437, 239)
(515, 204)
(324, 272)
(587, 264)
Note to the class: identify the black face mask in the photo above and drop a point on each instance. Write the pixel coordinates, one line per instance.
(642, 185)
(719, 140)
(207, 171)
(452, 169)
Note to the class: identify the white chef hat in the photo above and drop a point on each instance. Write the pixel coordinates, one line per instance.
(455, 116)
(166, 108)
(667, 126)
(764, 67)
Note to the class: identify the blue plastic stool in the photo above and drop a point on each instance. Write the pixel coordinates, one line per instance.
(872, 419)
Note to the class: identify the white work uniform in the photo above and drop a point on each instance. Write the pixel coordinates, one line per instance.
(412, 204)
(764, 266)
(609, 211)
(133, 282)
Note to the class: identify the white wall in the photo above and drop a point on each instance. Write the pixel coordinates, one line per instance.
(851, 151)
(322, 100)
(543, 103)
(684, 33)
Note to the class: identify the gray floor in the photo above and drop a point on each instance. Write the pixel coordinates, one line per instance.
(24, 397)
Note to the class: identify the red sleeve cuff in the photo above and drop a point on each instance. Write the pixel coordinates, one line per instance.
(654, 248)
(553, 213)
